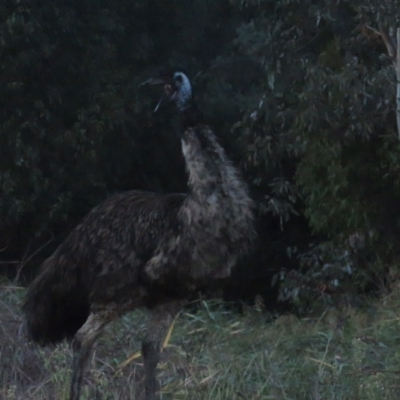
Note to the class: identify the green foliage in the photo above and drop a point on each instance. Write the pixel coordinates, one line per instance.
(301, 94)
(74, 126)
(323, 122)
(340, 134)
(58, 111)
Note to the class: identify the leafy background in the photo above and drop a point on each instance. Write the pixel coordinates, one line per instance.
(302, 95)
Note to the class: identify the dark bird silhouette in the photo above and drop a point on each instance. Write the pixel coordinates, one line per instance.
(142, 249)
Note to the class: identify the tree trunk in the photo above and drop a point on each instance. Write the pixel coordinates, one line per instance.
(397, 68)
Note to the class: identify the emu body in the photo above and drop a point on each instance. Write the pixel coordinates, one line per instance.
(141, 249)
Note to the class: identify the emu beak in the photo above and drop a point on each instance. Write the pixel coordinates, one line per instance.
(153, 81)
(168, 93)
(163, 97)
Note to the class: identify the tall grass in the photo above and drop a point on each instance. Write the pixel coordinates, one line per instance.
(216, 353)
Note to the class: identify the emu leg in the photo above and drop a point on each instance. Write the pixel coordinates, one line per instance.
(151, 357)
(160, 321)
(81, 348)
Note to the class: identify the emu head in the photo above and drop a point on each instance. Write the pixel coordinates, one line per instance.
(177, 88)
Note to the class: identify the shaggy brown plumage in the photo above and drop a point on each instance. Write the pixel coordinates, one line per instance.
(140, 249)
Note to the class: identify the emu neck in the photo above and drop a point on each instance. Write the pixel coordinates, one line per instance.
(190, 116)
(211, 175)
(204, 182)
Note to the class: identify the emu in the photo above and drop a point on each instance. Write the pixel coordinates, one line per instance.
(143, 249)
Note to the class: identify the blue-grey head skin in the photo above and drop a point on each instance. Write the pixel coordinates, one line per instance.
(182, 95)
(177, 88)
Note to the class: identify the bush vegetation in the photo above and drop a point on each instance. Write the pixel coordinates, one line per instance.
(302, 95)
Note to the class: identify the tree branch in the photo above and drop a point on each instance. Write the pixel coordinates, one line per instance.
(392, 43)
(389, 42)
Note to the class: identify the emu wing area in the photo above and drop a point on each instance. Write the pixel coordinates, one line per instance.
(117, 238)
